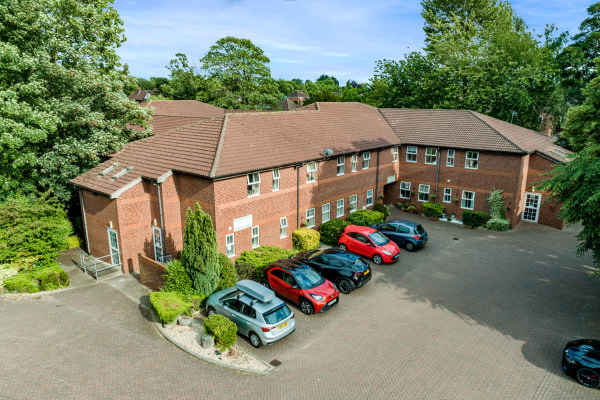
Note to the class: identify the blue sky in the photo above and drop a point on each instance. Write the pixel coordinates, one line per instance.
(302, 38)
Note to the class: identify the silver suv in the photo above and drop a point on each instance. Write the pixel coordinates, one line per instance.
(258, 314)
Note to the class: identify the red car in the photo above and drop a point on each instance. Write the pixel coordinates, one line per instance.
(370, 243)
(301, 284)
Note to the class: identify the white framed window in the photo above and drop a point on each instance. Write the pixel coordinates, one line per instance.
(366, 156)
(395, 153)
(423, 192)
(431, 156)
(310, 217)
(311, 172)
(158, 243)
(276, 179)
(353, 202)
(282, 227)
(325, 212)
(450, 158)
(472, 160)
(354, 162)
(115, 253)
(341, 165)
(369, 198)
(447, 195)
(230, 245)
(253, 184)
(255, 237)
(405, 190)
(468, 199)
(340, 208)
(411, 154)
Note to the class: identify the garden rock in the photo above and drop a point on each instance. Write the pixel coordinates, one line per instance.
(207, 341)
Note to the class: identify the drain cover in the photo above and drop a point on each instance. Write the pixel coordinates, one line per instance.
(275, 363)
(454, 238)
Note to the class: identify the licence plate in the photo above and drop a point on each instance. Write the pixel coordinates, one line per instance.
(367, 272)
(282, 325)
(332, 302)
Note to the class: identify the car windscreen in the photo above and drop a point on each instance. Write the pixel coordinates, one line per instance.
(308, 278)
(379, 239)
(419, 230)
(277, 314)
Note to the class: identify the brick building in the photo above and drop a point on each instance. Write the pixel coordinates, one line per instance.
(260, 175)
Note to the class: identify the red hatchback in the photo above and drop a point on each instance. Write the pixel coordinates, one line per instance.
(370, 243)
(301, 284)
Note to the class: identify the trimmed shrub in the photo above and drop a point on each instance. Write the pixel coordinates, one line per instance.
(5, 273)
(365, 217)
(382, 208)
(433, 210)
(21, 283)
(169, 305)
(227, 277)
(224, 331)
(305, 239)
(409, 204)
(73, 242)
(246, 271)
(51, 277)
(196, 302)
(332, 230)
(177, 279)
(258, 259)
(474, 218)
(498, 224)
(411, 209)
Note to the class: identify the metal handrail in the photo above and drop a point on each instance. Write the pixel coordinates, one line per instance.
(97, 264)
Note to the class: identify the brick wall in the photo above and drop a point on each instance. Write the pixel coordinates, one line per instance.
(548, 214)
(100, 212)
(151, 273)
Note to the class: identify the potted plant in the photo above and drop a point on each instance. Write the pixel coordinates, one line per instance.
(399, 206)
(456, 199)
(351, 207)
(412, 193)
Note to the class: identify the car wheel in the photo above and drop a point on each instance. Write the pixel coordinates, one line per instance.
(409, 246)
(211, 311)
(377, 259)
(343, 247)
(306, 307)
(588, 377)
(254, 340)
(346, 286)
(265, 284)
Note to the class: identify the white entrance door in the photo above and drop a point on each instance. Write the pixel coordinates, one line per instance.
(532, 207)
(113, 240)
(158, 243)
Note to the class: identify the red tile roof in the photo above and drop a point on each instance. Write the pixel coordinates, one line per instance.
(184, 108)
(467, 130)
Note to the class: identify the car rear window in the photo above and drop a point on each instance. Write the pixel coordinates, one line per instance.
(277, 314)
(419, 229)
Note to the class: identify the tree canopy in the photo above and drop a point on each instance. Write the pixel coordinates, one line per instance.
(62, 105)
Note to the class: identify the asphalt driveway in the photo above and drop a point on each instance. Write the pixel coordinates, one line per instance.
(473, 315)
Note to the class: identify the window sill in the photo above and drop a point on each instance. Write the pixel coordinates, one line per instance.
(340, 174)
(254, 195)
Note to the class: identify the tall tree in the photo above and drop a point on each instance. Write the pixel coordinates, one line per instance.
(62, 105)
(238, 76)
(576, 61)
(576, 184)
(199, 255)
(185, 82)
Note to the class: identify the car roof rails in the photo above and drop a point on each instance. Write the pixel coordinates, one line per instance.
(255, 290)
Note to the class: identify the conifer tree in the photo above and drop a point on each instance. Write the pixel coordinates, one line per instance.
(200, 256)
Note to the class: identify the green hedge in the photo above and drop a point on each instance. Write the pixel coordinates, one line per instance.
(169, 305)
(177, 279)
(305, 239)
(253, 262)
(474, 218)
(46, 275)
(433, 210)
(227, 277)
(365, 217)
(382, 208)
(332, 230)
(224, 331)
(498, 224)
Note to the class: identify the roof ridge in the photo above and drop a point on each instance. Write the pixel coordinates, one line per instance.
(219, 149)
(473, 113)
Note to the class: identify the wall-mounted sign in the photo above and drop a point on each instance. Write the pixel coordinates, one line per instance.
(242, 223)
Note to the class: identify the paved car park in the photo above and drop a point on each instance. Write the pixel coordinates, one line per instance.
(474, 314)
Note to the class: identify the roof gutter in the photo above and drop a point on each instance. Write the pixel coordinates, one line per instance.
(85, 227)
(162, 224)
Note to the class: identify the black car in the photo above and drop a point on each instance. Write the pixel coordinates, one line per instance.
(581, 360)
(346, 270)
(408, 234)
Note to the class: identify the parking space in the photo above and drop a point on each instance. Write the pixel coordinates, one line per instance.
(474, 314)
